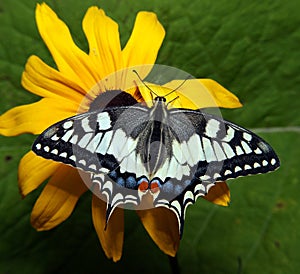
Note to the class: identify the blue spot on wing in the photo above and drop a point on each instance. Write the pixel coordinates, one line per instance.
(113, 175)
(178, 189)
(167, 187)
(131, 182)
(120, 181)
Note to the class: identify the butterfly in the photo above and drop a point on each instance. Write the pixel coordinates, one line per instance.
(175, 154)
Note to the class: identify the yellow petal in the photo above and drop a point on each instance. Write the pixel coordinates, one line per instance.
(200, 93)
(58, 198)
(34, 170)
(111, 239)
(45, 81)
(142, 48)
(144, 42)
(219, 194)
(70, 60)
(104, 41)
(36, 117)
(162, 226)
(223, 97)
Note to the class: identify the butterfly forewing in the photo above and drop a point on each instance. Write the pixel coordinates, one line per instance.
(93, 141)
(225, 150)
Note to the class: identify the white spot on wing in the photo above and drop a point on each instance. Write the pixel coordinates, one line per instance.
(208, 150)
(228, 150)
(73, 158)
(130, 162)
(204, 178)
(237, 169)
(103, 146)
(219, 151)
(104, 120)
(195, 148)
(54, 151)
(186, 153)
(239, 150)
(47, 149)
(185, 170)
(82, 162)
(188, 196)
(199, 187)
(128, 147)
(256, 165)
(104, 170)
(173, 169)
(246, 148)
(246, 167)
(162, 173)
(108, 185)
(117, 144)
(229, 135)
(177, 206)
(38, 146)
(67, 124)
(63, 155)
(55, 137)
(94, 142)
(92, 166)
(216, 176)
(227, 172)
(117, 199)
(140, 168)
(264, 163)
(74, 139)
(68, 135)
(247, 136)
(124, 165)
(273, 161)
(85, 125)
(85, 140)
(176, 148)
(257, 151)
(212, 128)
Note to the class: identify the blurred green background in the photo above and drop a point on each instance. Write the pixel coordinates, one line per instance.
(251, 48)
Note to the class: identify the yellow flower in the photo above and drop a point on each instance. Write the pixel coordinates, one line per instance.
(62, 91)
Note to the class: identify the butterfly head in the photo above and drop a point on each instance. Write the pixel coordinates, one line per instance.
(160, 99)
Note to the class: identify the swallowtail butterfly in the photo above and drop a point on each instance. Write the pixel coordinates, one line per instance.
(176, 155)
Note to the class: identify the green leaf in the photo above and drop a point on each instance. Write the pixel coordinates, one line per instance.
(251, 48)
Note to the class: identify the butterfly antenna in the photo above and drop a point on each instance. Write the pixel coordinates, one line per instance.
(187, 78)
(134, 71)
(172, 100)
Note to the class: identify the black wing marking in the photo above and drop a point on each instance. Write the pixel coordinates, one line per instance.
(214, 150)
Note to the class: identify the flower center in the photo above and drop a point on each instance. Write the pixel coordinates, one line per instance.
(112, 98)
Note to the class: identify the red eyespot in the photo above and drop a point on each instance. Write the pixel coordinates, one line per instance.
(154, 187)
(144, 185)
